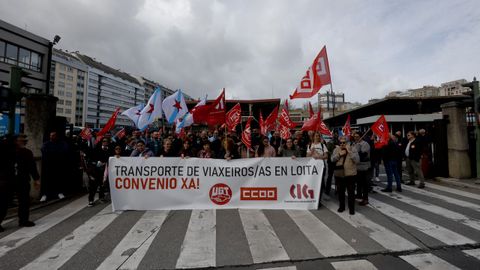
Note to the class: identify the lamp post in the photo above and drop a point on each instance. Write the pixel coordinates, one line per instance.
(56, 39)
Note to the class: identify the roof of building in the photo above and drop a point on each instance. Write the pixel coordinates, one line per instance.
(397, 106)
(98, 65)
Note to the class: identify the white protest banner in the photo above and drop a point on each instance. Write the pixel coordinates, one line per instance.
(165, 183)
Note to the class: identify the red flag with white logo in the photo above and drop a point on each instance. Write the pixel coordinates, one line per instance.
(322, 128)
(285, 132)
(318, 75)
(271, 121)
(121, 133)
(284, 118)
(247, 134)
(312, 123)
(346, 130)
(261, 123)
(211, 114)
(380, 128)
(233, 117)
(86, 133)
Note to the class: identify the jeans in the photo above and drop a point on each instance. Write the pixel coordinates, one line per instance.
(391, 168)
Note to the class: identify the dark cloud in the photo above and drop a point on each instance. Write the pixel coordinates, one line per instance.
(260, 49)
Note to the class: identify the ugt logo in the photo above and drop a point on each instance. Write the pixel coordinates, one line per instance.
(220, 194)
(301, 192)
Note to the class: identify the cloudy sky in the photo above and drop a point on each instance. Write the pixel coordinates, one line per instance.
(261, 49)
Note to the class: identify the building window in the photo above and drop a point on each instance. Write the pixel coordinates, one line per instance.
(12, 54)
(68, 111)
(68, 94)
(59, 110)
(69, 78)
(61, 76)
(60, 102)
(61, 84)
(24, 58)
(2, 51)
(61, 93)
(68, 102)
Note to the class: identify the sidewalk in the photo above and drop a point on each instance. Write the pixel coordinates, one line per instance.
(472, 183)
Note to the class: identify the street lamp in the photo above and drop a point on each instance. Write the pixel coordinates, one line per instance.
(56, 39)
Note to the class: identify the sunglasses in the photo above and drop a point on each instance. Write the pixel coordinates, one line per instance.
(343, 142)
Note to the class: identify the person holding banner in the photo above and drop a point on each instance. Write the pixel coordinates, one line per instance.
(228, 150)
(265, 149)
(141, 150)
(167, 150)
(206, 152)
(346, 159)
(289, 150)
(318, 150)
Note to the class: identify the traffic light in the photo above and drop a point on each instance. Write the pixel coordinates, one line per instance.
(17, 75)
(5, 98)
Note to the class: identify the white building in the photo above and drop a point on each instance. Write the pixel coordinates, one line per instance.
(68, 79)
(453, 88)
(107, 89)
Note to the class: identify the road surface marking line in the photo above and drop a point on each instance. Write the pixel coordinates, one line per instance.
(262, 239)
(473, 252)
(436, 231)
(436, 210)
(428, 261)
(354, 265)
(455, 191)
(447, 199)
(198, 248)
(327, 242)
(380, 234)
(64, 249)
(147, 226)
(280, 268)
(23, 235)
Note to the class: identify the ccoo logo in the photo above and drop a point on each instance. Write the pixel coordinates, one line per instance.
(301, 192)
(220, 194)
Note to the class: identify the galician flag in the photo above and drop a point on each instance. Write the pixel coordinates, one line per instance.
(151, 111)
(187, 119)
(134, 113)
(174, 106)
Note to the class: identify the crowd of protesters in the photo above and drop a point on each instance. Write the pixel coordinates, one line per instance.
(352, 161)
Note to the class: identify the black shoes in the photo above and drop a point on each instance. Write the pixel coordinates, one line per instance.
(386, 190)
(421, 186)
(399, 189)
(352, 212)
(26, 224)
(341, 209)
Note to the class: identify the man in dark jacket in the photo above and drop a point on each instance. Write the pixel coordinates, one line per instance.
(98, 162)
(413, 153)
(7, 173)
(24, 169)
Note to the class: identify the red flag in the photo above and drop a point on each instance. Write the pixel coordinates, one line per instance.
(247, 134)
(312, 123)
(347, 131)
(271, 121)
(310, 109)
(322, 128)
(233, 117)
(211, 114)
(261, 123)
(318, 75)
(380, 128)
(284, 119)
(86, 133)
(285, 132)
(121, 133)
(109, 125)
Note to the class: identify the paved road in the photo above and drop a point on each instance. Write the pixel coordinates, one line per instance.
(435, 228)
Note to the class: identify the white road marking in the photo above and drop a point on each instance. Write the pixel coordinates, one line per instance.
(23, 235)
(262, 240)
(198, 248)
(436, 231)
(380, 234)
(354, 265)
(147, 226)
(63, 250)
(473, 252)
(454, 191)
(428, 261)
(327, 242)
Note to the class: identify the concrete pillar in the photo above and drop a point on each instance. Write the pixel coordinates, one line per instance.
(458, 159)
(40, 111)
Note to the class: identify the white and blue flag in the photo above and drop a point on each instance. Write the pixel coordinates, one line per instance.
(174, 106)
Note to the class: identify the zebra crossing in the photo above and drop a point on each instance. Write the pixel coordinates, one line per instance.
(433, 228)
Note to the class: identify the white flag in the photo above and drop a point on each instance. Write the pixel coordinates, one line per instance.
(174, 106)
(188, 118)
(151, 111)
(134, 113)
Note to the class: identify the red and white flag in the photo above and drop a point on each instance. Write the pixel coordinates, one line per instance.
(233, 117)
(380, 128)
(285, 132)
(86, 133)
(211, 114)
(318, 75)
(261, 123)
(322, 128)
(284, 118)
(247, 134)
(121, 133)
(346, 129)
